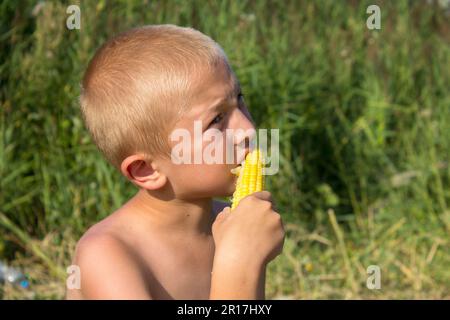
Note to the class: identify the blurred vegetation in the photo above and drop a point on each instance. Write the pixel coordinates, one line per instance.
(364, 119)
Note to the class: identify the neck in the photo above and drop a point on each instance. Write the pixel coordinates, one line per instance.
(193, 217)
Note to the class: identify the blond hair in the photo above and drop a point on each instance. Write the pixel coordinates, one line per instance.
(138, 85)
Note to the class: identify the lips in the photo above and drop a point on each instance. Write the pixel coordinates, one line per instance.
(237, 169)
(247, 151)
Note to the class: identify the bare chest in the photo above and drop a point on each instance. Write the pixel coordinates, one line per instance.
(180, 273)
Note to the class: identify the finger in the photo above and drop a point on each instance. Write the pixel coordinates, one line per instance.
(263, 195)
(223, 213)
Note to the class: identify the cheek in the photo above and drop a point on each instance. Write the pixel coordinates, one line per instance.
(214, 148)
(210, 174)
(203, 179)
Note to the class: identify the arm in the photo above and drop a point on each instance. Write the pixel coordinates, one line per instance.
(233, 279)
(246, 240)
(248, 281)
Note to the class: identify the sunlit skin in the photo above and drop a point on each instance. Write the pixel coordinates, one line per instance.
(160, 244)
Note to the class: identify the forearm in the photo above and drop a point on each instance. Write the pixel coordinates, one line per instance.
(237, 279)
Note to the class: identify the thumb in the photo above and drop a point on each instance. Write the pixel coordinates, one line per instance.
(263, 195)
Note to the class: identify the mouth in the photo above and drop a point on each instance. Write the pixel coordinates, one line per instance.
(237, 169)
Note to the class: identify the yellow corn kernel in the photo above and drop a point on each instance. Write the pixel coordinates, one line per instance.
(250, 177)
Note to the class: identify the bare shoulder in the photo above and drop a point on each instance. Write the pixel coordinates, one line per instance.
(109, 268)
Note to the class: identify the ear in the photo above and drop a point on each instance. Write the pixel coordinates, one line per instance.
(143, 173)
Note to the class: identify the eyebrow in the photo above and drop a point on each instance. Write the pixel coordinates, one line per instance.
(233, 93)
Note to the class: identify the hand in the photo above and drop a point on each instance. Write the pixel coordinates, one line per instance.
(252, 233)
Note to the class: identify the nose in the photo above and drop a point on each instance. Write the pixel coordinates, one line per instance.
(244, 111)
(245, 120)
(243, 127)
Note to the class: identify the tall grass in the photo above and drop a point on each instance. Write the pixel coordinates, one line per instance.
(364, 119)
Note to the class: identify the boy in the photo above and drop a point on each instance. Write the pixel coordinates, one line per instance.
(171, 240)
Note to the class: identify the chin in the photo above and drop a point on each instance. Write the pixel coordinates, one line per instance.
(230, 190)
(227, 191)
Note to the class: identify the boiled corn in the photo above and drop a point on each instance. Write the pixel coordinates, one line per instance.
(250, 177)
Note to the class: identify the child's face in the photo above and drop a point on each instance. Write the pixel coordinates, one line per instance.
(199, 180)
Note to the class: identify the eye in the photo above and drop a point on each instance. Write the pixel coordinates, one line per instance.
(217, 119)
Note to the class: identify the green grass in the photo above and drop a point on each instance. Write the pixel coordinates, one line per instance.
(364, 119)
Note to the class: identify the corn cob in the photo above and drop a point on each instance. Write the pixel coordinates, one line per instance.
(250, 177)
